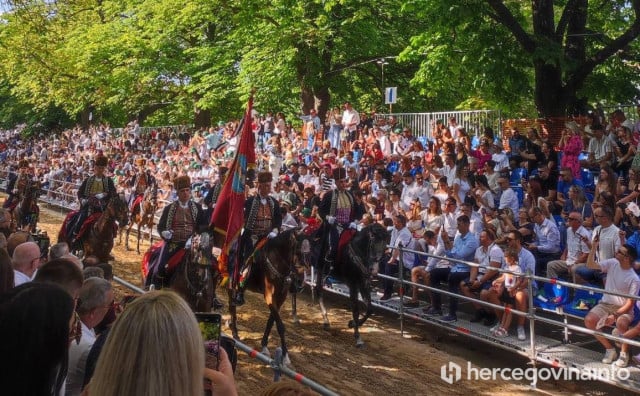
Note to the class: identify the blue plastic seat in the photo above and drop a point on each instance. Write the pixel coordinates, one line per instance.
(475, 142)
(582, 302)
(583, 156)
(517, 175)
(588, 180)
(551, 296)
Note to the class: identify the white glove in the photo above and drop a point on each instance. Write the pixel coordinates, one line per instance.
(100, 196)
(353, 225)
(359, 227)
(166, 234)
(331, 219)
(213, 206)
(272, 235)
(14, 191)
(83, 201)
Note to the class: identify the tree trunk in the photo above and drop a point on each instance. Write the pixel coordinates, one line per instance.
(549, 93)
(202, 118)
(147, 111)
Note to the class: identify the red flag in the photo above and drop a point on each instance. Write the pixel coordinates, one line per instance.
(228, 216)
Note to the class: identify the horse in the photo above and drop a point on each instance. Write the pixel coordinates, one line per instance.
(98, 240)
(356, 257)
(144, 217)
(27, 212)
(194, 277)
(272, 271)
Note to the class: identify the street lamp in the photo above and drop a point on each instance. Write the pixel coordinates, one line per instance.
(382, 62)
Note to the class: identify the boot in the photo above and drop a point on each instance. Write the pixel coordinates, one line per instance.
(217, 304)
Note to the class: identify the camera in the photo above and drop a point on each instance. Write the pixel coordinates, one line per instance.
(42, 239)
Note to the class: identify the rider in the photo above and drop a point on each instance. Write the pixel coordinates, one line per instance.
(214, 192)
(262, 218)
(94, 195)
(17, 185)
(339, 211)
(141, 183)
(179, 221)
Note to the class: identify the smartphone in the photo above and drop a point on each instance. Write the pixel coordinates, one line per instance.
(209, 324)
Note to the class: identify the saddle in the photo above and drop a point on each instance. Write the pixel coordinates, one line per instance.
(137, 202)
(346, 237)
(151, 260)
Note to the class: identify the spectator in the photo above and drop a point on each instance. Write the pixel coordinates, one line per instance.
(96, 297)
(571, 146)
(507, 286)
(35, 331)
(131, 362)
(614, 310)
(462, 248)
(63, 273)
(421, 272)
(546, 246)
(400, 237)
(488, 255)
(58, 250)
(508, 199)
(576, 250)
(600, 149)
(608, 236)
(26, 261)
(527, 264)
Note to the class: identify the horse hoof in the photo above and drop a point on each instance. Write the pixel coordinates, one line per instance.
(286, 361)
(326, 327)
(296, 321)
(360, 344)
(265, 351)
(352, 324)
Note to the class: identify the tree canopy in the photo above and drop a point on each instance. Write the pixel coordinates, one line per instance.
(191, 61)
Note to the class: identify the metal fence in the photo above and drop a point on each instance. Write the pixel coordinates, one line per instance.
(474, 121)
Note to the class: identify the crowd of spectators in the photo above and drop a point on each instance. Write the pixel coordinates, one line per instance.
(547, 204)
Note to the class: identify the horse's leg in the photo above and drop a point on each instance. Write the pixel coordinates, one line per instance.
(355, 312)
(233, 324)
(294, 309)
(319, 288)
(139, 236)
(269, 289)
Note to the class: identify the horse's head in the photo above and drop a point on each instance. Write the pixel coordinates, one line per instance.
(378, 239)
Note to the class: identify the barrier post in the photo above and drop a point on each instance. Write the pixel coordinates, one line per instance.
(401, 289)
(531, 316)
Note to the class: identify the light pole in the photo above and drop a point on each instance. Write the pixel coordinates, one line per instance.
(382, 62)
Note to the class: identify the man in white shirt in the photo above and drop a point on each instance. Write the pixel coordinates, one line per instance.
(575, 252)
(609, 236)
(400, 237)
(612, 309)
(488, 255)
(95, 300)
(509, 198)
(600, 149)
(26, 261)
(350, 121)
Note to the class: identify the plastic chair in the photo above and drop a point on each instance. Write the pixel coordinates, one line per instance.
(583, 156)
(588, 180)
(551, 296)
(517, 175)
(582, 302)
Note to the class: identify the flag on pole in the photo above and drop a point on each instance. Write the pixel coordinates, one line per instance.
(228, 217)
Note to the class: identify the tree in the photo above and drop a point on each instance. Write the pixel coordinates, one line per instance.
(563, 53)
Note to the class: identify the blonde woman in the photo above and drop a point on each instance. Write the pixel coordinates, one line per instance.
(155, 348)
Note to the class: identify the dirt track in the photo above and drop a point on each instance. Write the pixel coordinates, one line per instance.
(388, 365)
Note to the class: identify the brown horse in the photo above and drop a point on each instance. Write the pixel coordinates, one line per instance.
(98, 241)
(272, 272)
(194, 278)
(144, 217)
(27, 212)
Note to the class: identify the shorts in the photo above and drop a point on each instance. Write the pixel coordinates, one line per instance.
(603, 310)
(506, 298)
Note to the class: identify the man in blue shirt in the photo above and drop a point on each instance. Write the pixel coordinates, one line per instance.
(463, 248)
(565, 182)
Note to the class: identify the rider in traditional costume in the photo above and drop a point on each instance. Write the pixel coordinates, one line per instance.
(17, 185)
(262, 220)
(141, 183)
(339, 212)
(94, 195)
(179, 221)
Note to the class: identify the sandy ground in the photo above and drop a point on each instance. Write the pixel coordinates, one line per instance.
(389, 364)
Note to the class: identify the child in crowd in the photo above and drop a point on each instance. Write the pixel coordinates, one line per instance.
(506, 285)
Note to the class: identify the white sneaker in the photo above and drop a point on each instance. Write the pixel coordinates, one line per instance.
(494, 328)
(623, 360)
(610, 356)
(616, 333)
(521, 334)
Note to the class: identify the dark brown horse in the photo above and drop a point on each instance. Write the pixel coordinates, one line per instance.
(98, 241)
(27, 212)
(363, 251)
(272, 272)
(194, 278)
(143, 217)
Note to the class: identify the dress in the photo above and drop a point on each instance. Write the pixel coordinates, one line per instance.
(571, 151)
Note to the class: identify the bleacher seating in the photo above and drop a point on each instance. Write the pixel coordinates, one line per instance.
(583, 301)
(551, 296)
